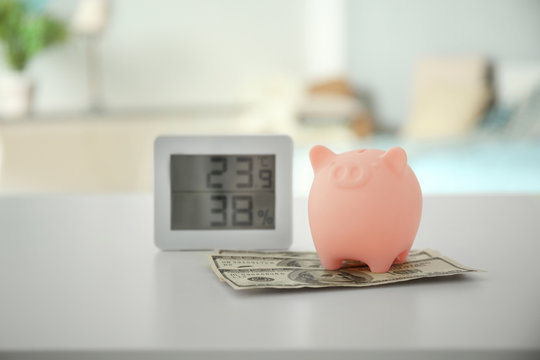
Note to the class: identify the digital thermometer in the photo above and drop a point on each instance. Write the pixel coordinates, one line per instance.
(223, 192)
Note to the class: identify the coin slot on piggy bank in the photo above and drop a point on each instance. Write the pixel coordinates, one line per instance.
(363, 205)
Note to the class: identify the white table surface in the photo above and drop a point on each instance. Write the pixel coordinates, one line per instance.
(81, 278)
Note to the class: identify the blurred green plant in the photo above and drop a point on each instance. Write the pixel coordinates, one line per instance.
(25, 32)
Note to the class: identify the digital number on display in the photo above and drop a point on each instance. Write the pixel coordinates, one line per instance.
(222, 192)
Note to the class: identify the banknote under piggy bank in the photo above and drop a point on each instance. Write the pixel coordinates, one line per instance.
(363, 205)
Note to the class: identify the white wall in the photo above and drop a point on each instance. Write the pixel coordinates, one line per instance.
(325, 39)
(386, 37)
(172, 53)
(169, 52)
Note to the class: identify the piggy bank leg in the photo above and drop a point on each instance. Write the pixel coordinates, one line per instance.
(330, 263)
(401, 257)
(380, 265)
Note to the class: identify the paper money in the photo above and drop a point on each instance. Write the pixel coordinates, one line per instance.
(232, 259)
(290, 270)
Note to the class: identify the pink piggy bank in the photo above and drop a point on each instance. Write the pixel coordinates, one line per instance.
(363, 205)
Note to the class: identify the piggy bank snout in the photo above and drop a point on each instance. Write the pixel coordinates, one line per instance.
(347, 174)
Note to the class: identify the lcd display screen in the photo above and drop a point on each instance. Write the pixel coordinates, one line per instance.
(220, 192)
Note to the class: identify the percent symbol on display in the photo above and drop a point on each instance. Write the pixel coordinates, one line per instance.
(266, 217)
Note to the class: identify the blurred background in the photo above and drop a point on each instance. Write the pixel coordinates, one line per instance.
(86, 86)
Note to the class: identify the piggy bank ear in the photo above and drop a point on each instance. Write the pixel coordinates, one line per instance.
(320, 156)
(395, 159)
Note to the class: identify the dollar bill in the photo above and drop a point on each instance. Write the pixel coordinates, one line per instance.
(229, 259)
(255, 270)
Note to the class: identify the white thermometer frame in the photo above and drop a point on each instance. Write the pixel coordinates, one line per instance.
(238, 239)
